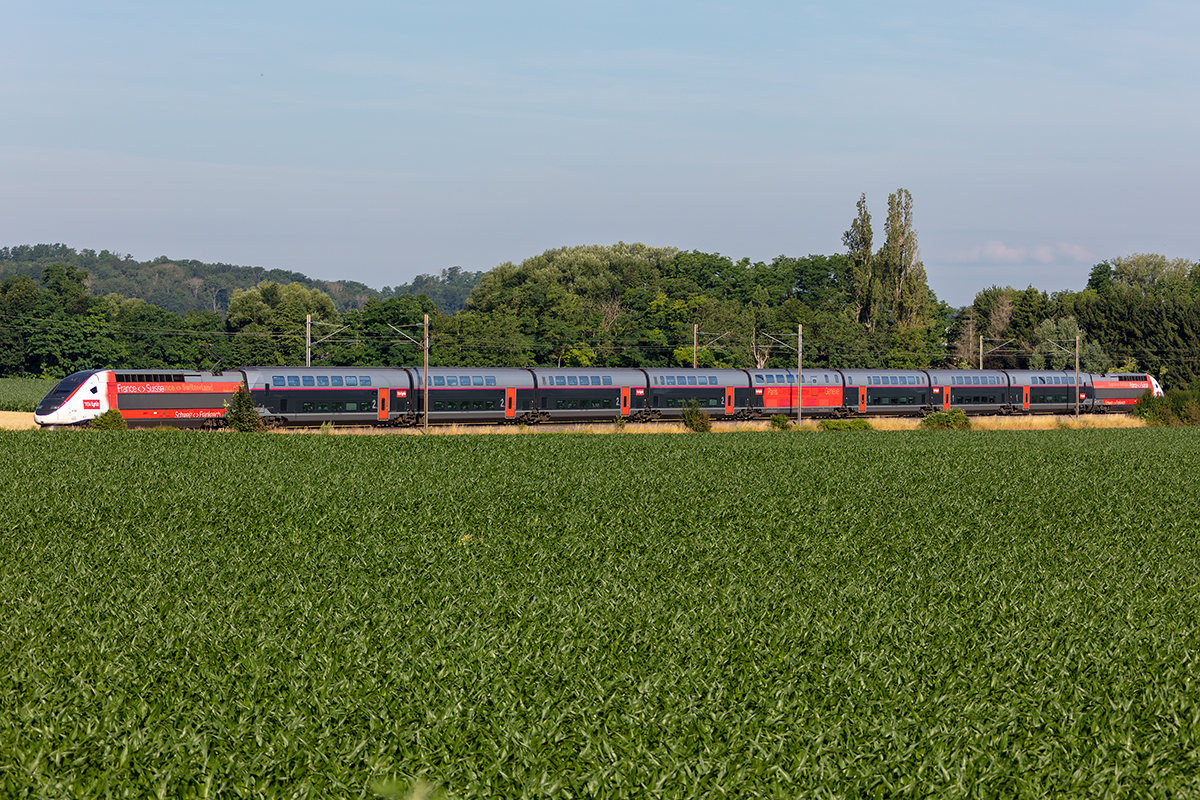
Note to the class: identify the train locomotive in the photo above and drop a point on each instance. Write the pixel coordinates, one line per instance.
(378, 396)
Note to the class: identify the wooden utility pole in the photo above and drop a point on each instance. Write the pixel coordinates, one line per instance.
(980, 353)
(308, 340)
(695, 344)
(425, 373)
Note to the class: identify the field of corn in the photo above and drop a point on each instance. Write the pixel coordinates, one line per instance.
(1006, 613)
(23, 394)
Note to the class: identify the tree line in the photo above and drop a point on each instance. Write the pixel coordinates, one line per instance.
(624, 305)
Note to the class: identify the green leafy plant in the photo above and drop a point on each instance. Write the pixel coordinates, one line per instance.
(694, 419)
(242, 414)
(845, 425)
(779, 422)
(954, 419)
(1176, 407)
(618, 424)
(110, 420)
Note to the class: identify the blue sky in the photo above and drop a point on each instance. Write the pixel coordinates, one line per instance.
(377, 141)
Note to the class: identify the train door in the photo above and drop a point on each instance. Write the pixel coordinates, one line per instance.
(1025, 392)
(625, 400)
(510, 403)
(729, 400)
(947, 398)
(862, 399)
(383, 405)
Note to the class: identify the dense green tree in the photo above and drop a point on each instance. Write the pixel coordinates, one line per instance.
(1054, 347)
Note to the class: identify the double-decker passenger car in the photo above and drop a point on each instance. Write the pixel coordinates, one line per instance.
(302, 396)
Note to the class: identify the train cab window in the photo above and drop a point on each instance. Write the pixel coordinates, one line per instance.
(477, 380)
(307, 380)
(670, 380)
(335, 380)
(351, 381)
(439, 380)
(278, 380)
(572, 380)
(691, 380)
(489, 380)
(607, 380)
(322, 380)
(293, 380)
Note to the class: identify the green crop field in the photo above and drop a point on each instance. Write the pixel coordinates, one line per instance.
(737, 615)
(23, 394)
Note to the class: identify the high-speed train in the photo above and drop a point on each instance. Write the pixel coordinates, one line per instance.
(306, 396)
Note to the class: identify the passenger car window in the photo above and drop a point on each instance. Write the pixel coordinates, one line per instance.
(572, 380)
(559, 380)
(322, 380)
(335, 380)
(350, 381)
(452, 380)
(278, 380)
(489, 380)
(364, 380)
(307, 380)
(607, 380)
(293, 380)
(691, 380)
(438, 380)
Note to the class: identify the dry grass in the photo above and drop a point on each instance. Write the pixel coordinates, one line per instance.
(16, 420)
(1037, 422)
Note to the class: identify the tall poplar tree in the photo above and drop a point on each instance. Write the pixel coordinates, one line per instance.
(859, 242)
(903, 272)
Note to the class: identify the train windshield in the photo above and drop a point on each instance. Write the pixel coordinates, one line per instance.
(62, 391)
